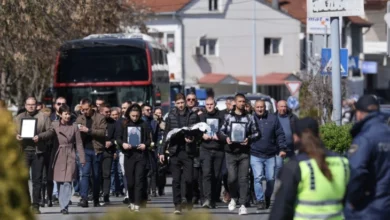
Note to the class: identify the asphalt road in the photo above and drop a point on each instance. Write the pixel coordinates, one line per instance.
(163, 203)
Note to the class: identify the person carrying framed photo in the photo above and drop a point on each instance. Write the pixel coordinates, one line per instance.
(134, 143)
(239, 130)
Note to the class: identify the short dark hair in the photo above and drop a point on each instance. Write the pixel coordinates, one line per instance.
(179, 96)
(230, 98)
(86, 101)
(64, 108)
(145, 105)
(105, 105)
(31, 97)
(100, 98)
(128, 102)
(60, 97)
(239, 95)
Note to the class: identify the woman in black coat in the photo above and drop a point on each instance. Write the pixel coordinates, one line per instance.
(134, 142)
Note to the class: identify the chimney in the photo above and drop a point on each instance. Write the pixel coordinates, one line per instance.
(275, 4)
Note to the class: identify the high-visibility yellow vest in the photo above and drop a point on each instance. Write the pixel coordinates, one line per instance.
(319, 198)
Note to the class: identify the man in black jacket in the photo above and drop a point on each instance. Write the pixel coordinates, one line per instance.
(181, 151)
(237, 151)
(211, 153)
(109, 151)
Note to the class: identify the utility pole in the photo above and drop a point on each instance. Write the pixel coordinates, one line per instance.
(254, 81)
(336, 75)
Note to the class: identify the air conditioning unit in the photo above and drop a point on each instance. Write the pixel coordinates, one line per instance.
(197, 51)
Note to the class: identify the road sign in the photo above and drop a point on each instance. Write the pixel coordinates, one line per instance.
(335, 8)
(293, 102)
(326, 61)
(293, 86)
(320, 25)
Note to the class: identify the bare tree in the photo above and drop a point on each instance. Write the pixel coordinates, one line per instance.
(316, 92)
(32, 30)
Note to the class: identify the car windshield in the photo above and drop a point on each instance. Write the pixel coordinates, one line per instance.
(112, 95)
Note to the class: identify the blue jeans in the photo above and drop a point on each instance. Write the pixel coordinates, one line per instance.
(263, 168)
(92, 161)
(278, 165)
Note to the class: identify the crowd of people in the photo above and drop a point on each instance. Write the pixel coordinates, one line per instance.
(103, 151)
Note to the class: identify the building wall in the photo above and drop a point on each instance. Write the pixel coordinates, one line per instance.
(378, 31)
(162, 27)
(232, 27)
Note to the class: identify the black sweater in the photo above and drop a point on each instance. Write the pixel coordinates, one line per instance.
(213, 144)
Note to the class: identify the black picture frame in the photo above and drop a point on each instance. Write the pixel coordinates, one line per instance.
(238, 132)
(214, 125)
(28, 128)
(134, 136)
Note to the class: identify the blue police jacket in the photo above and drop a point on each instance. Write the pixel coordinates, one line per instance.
(368, 193)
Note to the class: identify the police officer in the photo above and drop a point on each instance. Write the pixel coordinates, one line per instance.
(368, 194)
(311, 185)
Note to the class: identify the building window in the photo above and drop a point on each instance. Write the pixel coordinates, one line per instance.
(208, 47)
(159, 37)
(213, 5)
(171, 42)
(272, 46)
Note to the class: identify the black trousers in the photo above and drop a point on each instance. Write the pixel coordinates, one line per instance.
(152, 174)
(238, 173)
(211, 161)
(178, 162)
(35, 162)
(135, 169)
(106, 171)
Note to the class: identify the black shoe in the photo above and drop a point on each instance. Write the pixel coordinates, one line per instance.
(35, 209)
(49, 203)
(70, 203)
(126, 201)
(106, 199)
(267, 202)
(195, 200)
(97, 204)
(83, 203)
(76, 194)
(64, 212)
(42, 203)
(260, 205)
(190, 206)
(177, 210)
(184, 203)
(154, 194)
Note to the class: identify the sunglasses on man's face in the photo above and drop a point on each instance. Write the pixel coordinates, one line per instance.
(193, 100)
(60, 103)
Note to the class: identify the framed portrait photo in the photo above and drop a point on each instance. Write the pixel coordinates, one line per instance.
(238, 132)
(214, 125)
(134, 136)
(28, 128)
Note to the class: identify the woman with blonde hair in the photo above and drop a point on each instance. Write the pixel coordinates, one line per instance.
(311, 185)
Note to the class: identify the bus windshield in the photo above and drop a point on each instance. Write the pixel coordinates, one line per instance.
(112, 95)
(102, 64)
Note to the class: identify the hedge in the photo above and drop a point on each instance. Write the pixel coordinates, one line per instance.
(336, 138)
(14, 201)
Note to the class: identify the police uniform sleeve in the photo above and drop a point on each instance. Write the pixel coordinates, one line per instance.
(359, 156)
(286, 186)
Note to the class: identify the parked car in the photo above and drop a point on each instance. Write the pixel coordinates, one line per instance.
(270, 103)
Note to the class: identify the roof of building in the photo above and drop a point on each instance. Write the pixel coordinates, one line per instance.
(268, 79)
(161, 6)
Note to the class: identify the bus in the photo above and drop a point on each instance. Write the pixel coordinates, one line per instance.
(115, 67)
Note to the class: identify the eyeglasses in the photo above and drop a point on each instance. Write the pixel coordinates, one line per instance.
(190, 100)
(60, 103)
